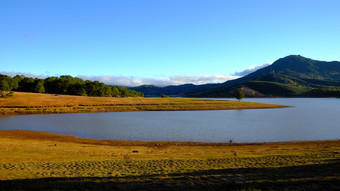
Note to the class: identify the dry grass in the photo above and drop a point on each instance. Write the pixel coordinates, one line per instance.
(37, 160)
(34, 103)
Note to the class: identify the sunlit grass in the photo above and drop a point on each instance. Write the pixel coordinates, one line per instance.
(32, 103)
(39, 160)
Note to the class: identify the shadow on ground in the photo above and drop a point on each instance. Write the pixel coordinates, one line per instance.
(307, 177)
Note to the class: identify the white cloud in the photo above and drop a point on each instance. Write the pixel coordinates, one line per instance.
(132, 81)
(251, 69)
(12, 74)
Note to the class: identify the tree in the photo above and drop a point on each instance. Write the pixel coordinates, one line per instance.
(39, 86)
(4, 85)
(239, 95)
(26, 85)
(64, 85)
(7, 83)
(76, 89)
(51, 85)
(115, 91)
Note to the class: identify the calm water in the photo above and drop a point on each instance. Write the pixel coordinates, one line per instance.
(309, 119)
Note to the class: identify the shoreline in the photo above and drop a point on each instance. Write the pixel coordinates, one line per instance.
(33, 103)
(5, 111)
(45, 136)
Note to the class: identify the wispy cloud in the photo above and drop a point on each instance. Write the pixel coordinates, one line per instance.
(251, 69)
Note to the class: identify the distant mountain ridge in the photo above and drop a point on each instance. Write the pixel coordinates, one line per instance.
(290, 76)
(178, 91)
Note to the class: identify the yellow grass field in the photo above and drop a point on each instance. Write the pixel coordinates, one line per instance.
(39, 161)
(34, 103)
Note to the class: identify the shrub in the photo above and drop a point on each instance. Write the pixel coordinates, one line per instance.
(4, 95)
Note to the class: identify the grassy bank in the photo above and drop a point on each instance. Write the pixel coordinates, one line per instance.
(37, 160)
(34, 103)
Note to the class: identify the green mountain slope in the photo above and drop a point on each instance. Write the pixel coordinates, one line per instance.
(290, 76)
(276, 89)
(300, 67)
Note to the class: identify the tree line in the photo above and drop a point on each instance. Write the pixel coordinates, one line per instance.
(64, 85)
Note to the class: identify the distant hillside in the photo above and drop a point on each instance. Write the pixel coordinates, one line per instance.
(295, 66)
(290, 76)
(178, 91)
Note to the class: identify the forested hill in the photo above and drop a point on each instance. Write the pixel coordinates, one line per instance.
(290, 76)
(64, 85)
(297, 66)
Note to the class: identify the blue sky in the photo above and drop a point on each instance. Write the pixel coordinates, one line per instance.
(132, 42)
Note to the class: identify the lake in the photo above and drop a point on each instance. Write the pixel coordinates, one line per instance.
(309, 119)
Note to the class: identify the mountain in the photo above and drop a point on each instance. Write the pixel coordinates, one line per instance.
(301, 67)
(289, 76)
(176, 91)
